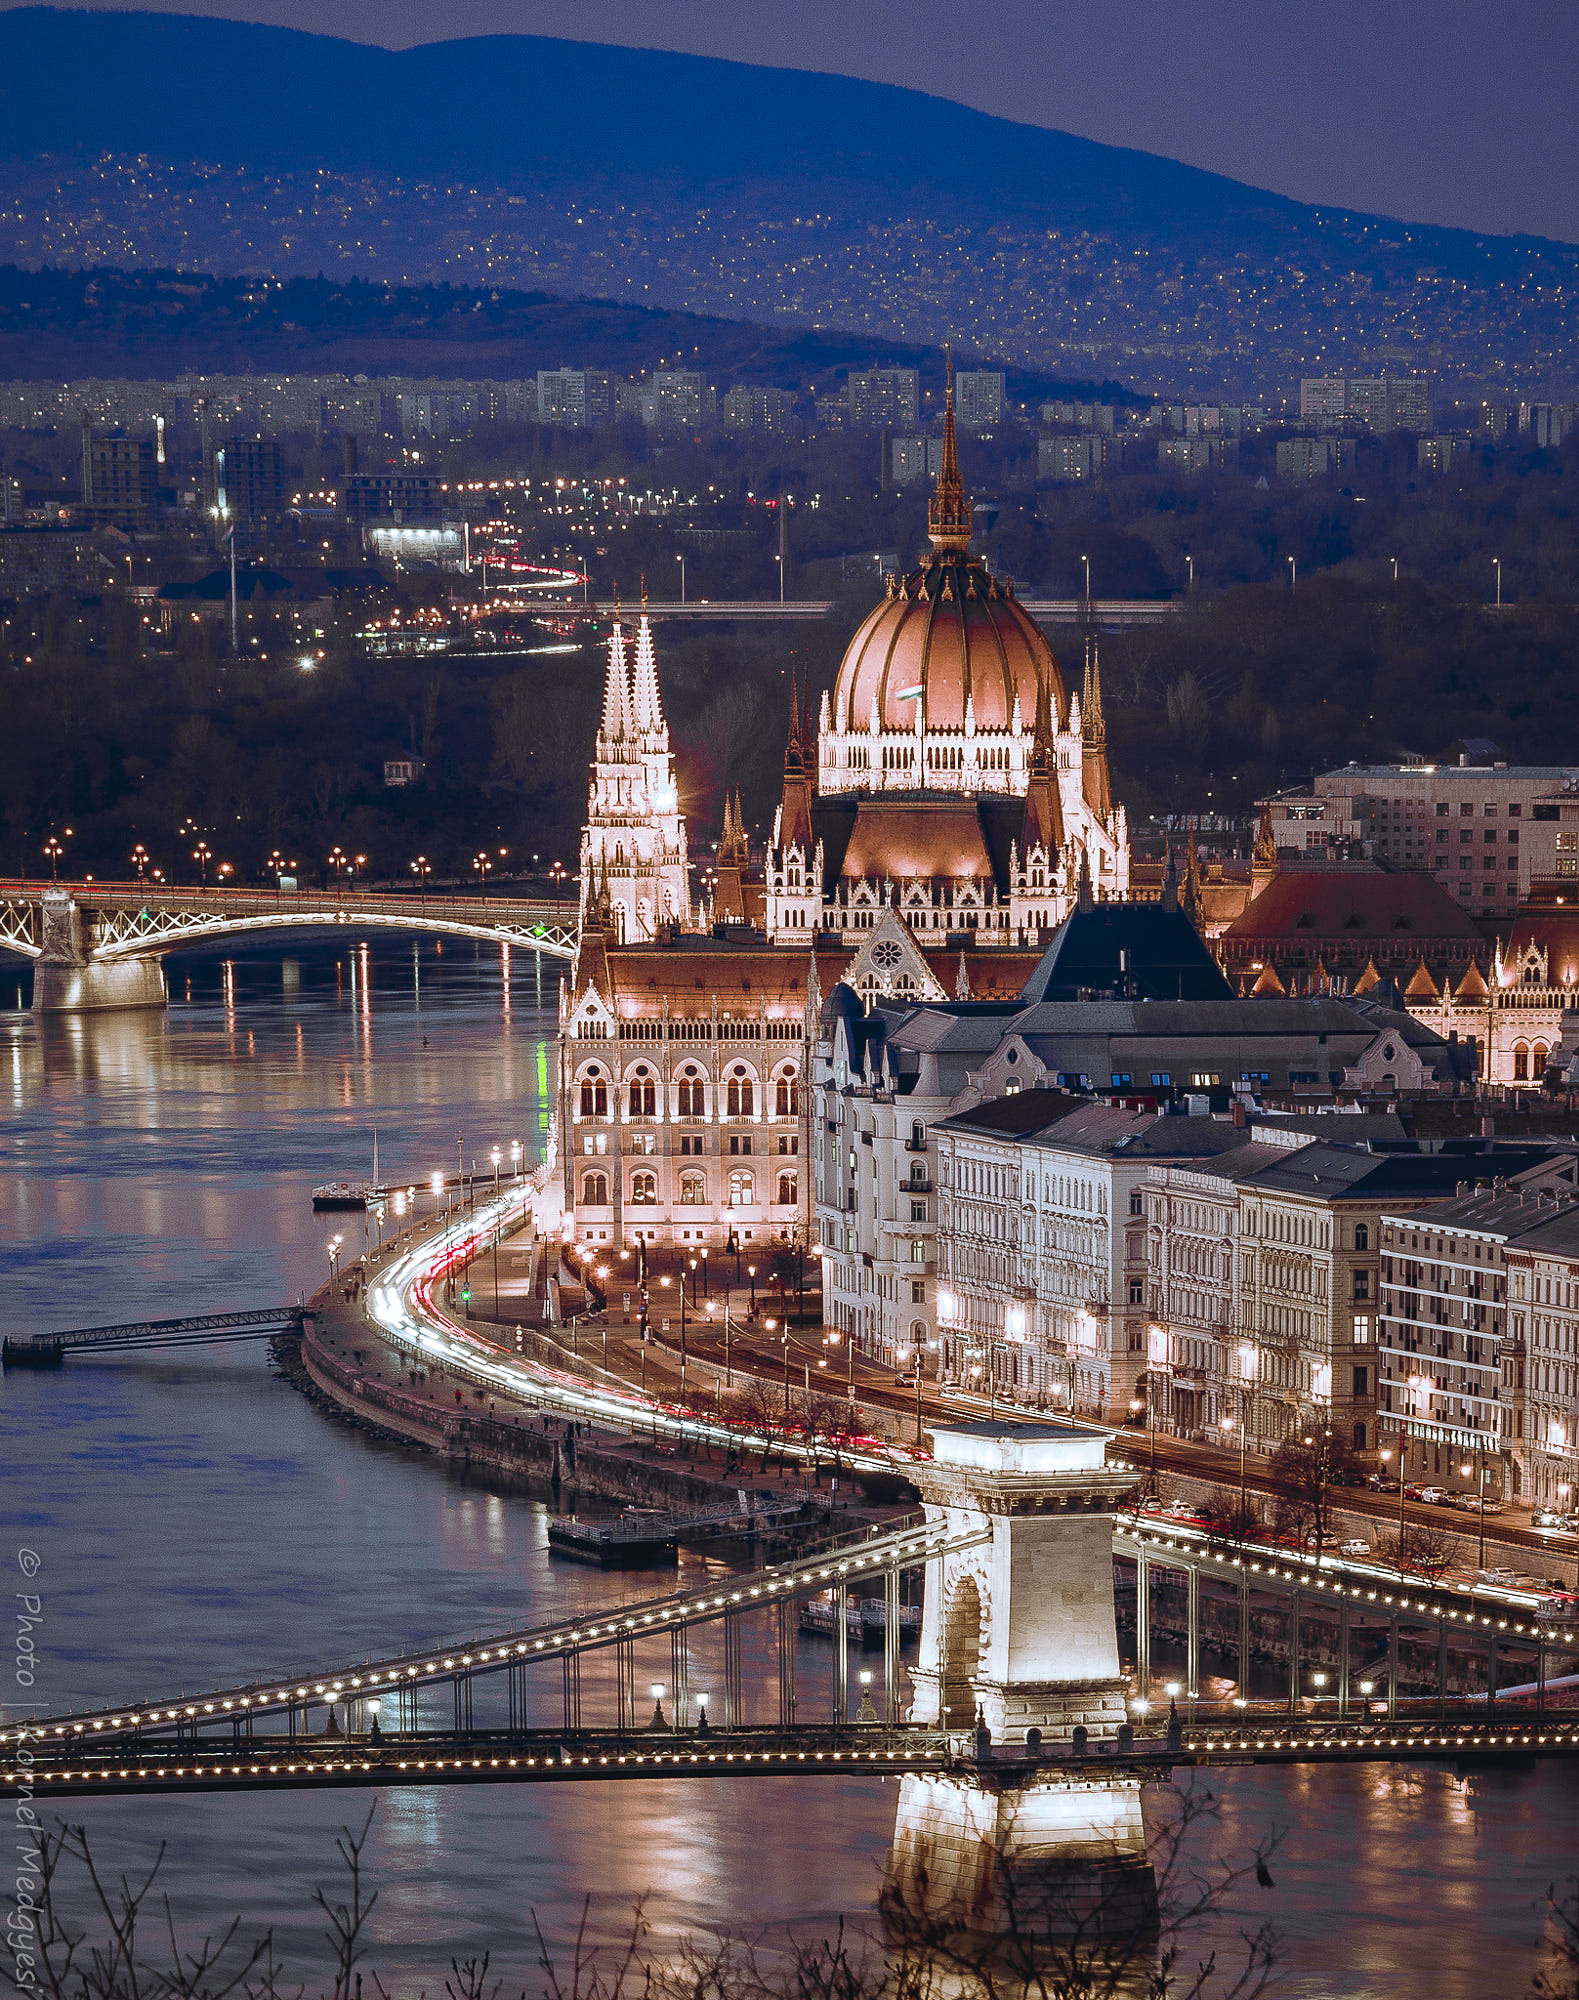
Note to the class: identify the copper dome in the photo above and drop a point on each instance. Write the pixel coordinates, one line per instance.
(949, 631)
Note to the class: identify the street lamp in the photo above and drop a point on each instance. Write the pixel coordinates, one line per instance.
(655, 1689)
(422, 868)
(681, 561)
(203, 854)
(556, 875)
(1496, 563)
(751, 1272)
(1293, 574)
(140, 857)
(482, 864)
(54, 850)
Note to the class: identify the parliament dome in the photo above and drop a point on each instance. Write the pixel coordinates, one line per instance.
(948, 634)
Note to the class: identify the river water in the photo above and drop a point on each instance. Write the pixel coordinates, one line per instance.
(198, 1520)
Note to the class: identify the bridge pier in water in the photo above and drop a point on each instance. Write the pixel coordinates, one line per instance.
(1019, 1647)
(97, 985)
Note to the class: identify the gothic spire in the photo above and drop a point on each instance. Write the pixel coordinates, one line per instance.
(616, 689)
(648, 705)
(1044, 812)
(1191, 900)
(1095, 780)
(948, 515)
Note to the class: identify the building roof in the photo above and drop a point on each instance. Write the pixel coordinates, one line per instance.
(947, 635)
(1511, 1214)
(1137, 951)
(1354, 906)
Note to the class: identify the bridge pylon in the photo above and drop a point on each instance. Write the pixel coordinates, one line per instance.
(1005, 1852)
(69, 979)
(1018, 1632)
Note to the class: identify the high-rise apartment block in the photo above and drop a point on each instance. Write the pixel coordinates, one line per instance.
(1313, 458)
(1545, 425)
(1080, 416)
(885, 399)
(1381, 403)
(1441, 454)
(1067, 460)
(979, 401)
(762, 412)
(247, 480)
(119, 477)
(681, 400)
(913, 458)
(1196, 454)
(575, 398)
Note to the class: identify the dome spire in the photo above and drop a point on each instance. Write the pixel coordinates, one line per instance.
(948, 516)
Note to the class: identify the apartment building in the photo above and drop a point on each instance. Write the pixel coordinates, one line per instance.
(1478, 1337)
(1465, 822)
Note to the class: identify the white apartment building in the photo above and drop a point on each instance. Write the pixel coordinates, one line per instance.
(1479, 1339)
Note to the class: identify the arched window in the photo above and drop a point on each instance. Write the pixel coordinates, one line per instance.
(692, 1100)
(594, 1095)
(693, 1190)
(741, 1096)
(787, 1187)
(786, 1097)
(642, 1094)
(644, 1190)
(1521, 1063)
(742, 1188)
(1362, 1236)
(1359, 1437)
(1538, 1061)
(595, 1190)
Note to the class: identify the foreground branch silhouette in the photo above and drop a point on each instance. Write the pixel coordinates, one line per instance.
(1050, 1939)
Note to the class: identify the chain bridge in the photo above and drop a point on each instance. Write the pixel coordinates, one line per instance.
(99, 944)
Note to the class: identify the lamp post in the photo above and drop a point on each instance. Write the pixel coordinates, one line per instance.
(496, 1222)
(203, 854)
(681, 561)
(556, 875)
(1496, 563)
(1386, 1458)
(1293, 574)
(751, 1271)
(54, 850)
(140, 857)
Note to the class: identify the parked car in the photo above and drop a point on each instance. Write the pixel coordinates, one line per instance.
(1494, 1507)
(1354, 1548)
(1380, 1483)
(1434, 1496)
(1466, 1503)
(1546, 1518)
(1321, 1543)
(1505, 1577)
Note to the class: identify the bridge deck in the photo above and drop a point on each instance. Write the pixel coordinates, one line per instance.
(905, 1548)
(853, 1750)
(160, 1332)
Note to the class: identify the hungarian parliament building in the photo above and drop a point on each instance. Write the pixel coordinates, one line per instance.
(942, 811)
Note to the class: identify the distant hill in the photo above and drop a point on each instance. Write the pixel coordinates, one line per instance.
(762, 194)
(528, 113)
(103, 321)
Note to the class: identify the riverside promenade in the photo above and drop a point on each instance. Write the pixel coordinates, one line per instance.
(383, 1349)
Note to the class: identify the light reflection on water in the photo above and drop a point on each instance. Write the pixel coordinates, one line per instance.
(196, 1517)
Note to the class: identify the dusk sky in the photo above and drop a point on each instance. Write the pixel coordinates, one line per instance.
(1435, 110)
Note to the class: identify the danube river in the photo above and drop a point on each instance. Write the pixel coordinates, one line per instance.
(198, 1520)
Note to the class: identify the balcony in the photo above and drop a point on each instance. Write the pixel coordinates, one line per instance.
(917, 1184)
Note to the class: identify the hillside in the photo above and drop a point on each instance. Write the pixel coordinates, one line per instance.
(722, 188)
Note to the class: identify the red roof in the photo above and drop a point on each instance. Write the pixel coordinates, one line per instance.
(1349, 906)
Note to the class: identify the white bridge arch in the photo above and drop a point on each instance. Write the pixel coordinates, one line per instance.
(90, 939)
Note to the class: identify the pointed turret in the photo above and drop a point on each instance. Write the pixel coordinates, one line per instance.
(1096, 781)
(1170, 882)
(1268, 983)
(948, 512)
(1044, 811)
(1263, 856)
(1191, 901)
(1086, 900)
(616, 690)
(962, 979)
(647, 705)
(800, 786)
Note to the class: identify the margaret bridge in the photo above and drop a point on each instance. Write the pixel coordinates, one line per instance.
(99, 944)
